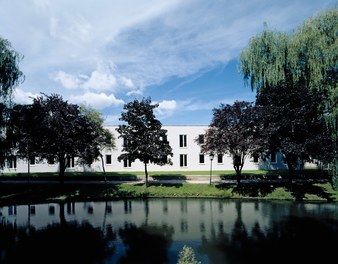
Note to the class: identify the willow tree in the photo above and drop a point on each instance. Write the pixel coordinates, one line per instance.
(10, 74)
(10, 77)
(309, 54)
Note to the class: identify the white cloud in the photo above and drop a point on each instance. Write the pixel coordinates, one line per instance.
(97, 100)
(167, 105)
(135, 92)
(68, 81)
(127, 82)
(22, 97)
(111, 120)
(100, 81)
(166, 108)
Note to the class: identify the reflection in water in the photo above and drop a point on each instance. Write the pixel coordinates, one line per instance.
(154, 231)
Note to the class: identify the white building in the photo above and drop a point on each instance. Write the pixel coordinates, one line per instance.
(186, 157)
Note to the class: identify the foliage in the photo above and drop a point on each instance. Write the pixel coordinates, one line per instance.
(104, 139)
(23, 131)
(290, 119)
(187, 256)
(309, 54)
(5, 146)
(232, 131)
(64, 132)
(10, 74)
(143, 136)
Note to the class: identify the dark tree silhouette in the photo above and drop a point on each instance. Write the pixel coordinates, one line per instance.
(232, 131)
(144, 138)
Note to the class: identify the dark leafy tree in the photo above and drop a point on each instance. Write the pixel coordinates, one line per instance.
(64, 132)
(233, 132)
(144, 138)
(291, 119)
(23, 130)
(5, 146)
(104, 139)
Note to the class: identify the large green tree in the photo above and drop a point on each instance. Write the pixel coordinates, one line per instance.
(10, 77)
(310, 54)
(10, 74)
(143, 136)
(232, 131)
(290, 121)
(104, 139)
(23, 131)
(64, 132)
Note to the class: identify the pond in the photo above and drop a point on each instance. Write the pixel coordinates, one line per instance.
(155, 231)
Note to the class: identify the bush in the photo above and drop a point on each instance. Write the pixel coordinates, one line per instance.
(187, 256)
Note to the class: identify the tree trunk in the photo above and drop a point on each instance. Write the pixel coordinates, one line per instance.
(290, 167)
(29, 170)
(103, 168)
(238, 175)
(146, 173)
(62, 170)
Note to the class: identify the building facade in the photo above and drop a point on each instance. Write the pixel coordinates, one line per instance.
(187, 156)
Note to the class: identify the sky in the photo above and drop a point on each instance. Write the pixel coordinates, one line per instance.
(183, 54)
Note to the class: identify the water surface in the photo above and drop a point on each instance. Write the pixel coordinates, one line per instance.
(155, 230)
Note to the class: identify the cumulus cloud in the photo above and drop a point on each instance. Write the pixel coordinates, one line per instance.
(97, 100)
(23, 97)
(166, 108)
(98, 80)
(68, 81)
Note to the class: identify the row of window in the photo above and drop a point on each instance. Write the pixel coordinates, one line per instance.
(12, 161)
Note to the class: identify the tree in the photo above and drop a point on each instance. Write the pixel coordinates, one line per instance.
(291, 121)
(10, 74)
(308, 54)
(5, 146)
(233, 132)
(22, 131)
(64, 132)
(187, 256)
(104, 139)
(144, 138)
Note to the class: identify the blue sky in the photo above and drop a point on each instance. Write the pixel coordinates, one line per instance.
(105, 53)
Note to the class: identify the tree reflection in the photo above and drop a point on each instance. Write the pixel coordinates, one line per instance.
(146, 244)
(57, 243)
(302, 239)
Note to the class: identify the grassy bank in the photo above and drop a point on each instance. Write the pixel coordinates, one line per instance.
(39, 193)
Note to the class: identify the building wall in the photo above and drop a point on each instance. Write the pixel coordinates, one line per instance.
(191, 150)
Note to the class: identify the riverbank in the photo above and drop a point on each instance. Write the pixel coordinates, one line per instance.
(19, 192)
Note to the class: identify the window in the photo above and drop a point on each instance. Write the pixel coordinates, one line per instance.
(70, 162)
(126, 163)
(201, 158)
(255, 158)
(32, 160)
(108, 159)
(12, 162)
(200, 139)
(183, 160)
(183, 141)
(219, 158)
(273, 157)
